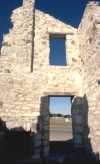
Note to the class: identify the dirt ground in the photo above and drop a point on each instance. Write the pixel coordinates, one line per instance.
(60, 130)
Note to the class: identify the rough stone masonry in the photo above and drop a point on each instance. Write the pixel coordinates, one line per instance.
(27, 78)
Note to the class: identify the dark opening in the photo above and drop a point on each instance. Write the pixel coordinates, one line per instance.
(57, 50)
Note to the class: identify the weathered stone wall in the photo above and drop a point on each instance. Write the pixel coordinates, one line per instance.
(54, 80)
(53, 77)
(16, 81)
(23, 92)
(89, 36)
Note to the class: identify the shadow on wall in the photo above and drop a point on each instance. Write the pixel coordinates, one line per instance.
(17, 144)
(82, 104)
(6, 8)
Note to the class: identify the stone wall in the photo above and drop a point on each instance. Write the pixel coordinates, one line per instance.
(24, 88)
(54, 80)
(89, 36)
(16, 81)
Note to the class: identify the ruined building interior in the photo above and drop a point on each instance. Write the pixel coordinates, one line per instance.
(27, 78)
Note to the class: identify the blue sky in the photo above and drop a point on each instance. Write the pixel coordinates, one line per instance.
(60, 105)
(6, 8)
(68, 11)
(57, 51)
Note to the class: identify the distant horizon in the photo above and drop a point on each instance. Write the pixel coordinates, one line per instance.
(60, 113)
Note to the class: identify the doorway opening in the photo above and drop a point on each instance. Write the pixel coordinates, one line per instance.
(65, 127)
(60, 124)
